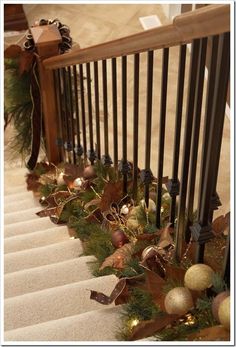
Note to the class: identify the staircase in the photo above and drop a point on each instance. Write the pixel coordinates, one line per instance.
(47, 279)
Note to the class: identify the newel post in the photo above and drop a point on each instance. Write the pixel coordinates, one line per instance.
(47, 39)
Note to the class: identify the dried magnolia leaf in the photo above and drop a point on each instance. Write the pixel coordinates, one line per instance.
(26, 60)
(95, 216)
(175, 273)
(47, 212)
(107, 300)
(154, 285)
(215, 333)
(150, 327)
(118, 259)
(221, 223)
(32, 182)
(12, 51)
(113, 192)
(73, 171)
(94, 202)
(166, 238)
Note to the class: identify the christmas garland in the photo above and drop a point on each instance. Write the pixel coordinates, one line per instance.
(162, 298)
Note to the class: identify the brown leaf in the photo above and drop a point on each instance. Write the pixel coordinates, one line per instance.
(32, 182)
(175, 273)
(94, 202)
(26, 60)
(12, 51)
(154, 285)
(148, 237)
(113, 192)
(95, 216)
(150, 327)
(221, 223)
(47, 212)
(215, 333)
(118, 259)
(73, 171)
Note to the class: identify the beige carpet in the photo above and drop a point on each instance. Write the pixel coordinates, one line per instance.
(47, 280)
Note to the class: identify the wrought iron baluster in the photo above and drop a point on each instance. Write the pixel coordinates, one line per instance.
(91, 152)
(83, 118)
(106, 159)
(162, 134)
(186, 149)
(71, 115)
(135, 125)
(114, 106)
(97, 111)
(173, 184)
(68, 143)
(57, 87)
(79, 148)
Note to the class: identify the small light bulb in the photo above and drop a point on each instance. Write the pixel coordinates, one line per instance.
(134, 322)
(60, 179)
(124, 209)
(162, 209)
(72, 237)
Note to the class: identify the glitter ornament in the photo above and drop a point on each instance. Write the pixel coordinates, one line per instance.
(198, 277)
(78, 182)
(118, 238)
(89, 172)
(151, 205)
(178, 301)
(224, 313)
(124, 210)
(216, 303)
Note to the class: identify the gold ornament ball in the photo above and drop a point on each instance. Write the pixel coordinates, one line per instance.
(89, 172)
(178, 301)
(216, 303)
(224, 313)
(148, 250)
(198, 277)
(151, 205)
(78, 182)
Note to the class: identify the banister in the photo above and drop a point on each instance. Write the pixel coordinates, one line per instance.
(206, 21)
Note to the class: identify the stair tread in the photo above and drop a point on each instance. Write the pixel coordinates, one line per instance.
(105, 322)
(24, 227)
(36, 239)
(23, 204)
(18, 196)
(55, 303)
(39, 256)
(47, 276)
(20, 216)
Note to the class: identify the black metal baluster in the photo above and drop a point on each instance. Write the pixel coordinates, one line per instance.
(71, 113)
(208, 111)
(135, 125)
(226, 264)
(195, 135)
(202, 230)
(83, 118)
(96, 93)
(187, 144)
(57, 87)
(106, 159)
(162, 134)
(79, 148)
(68, 144)
(146, 174)
(124, 165)
(173, 184)
(114, 106)
(91, 152)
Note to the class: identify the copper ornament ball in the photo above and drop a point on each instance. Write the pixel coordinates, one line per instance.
(178, 301)
(118, 238)
(216, 303)
(224, 313)
(89, 172)
(198, 277)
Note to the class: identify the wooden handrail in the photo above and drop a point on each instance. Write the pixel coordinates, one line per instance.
(206, 21)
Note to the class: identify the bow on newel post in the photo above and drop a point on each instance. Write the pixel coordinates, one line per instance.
(46, 39)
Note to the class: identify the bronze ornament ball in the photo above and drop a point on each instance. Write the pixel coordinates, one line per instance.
(89, 172)
(118, 238)
(178, 301)
(198, 277)
(216, 303)
(224, 313)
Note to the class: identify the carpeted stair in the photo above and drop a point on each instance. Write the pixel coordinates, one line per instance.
(47, 279)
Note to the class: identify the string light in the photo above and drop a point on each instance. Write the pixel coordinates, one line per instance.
(134, 322)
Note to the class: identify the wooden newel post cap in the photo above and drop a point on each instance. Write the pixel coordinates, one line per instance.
(46, 39)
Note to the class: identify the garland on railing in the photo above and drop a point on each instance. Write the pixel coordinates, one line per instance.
(163, 299)
(22, 103)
